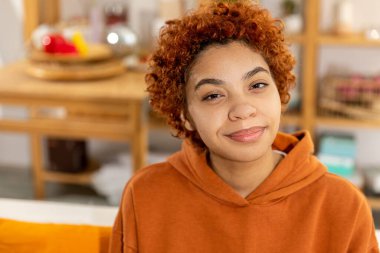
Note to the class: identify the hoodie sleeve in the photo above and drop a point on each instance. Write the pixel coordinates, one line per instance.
(124, 232)
(363, 235)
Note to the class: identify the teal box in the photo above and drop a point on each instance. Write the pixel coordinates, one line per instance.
(341, 146)
(343, 166)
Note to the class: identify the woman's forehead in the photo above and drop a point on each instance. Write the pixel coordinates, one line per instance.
(222, 59)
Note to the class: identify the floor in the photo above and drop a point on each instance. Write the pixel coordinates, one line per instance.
(17, 183)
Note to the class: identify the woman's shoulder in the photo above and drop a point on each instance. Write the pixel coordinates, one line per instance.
(339, 188)
(339, 183)
(156, 174)
(154, 183)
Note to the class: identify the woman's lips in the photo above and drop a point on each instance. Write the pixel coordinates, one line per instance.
(247, 135)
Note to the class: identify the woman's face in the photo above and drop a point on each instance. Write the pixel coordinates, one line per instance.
(233, 102)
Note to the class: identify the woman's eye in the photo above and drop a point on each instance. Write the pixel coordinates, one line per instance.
(258, 85)
(211, 97)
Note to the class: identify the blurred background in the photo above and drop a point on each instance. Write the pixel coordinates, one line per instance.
(336, 43)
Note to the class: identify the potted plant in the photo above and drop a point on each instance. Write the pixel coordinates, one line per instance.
(291, 16)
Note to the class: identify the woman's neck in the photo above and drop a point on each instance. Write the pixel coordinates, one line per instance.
(245, 177)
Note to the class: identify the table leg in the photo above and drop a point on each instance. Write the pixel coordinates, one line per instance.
(139, 148)
(36, 148)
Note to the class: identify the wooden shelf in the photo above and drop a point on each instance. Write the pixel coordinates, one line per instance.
(84, 177)
(341, 122)
(374, 203)
(291, 119)
(355, 40)
(295, 38)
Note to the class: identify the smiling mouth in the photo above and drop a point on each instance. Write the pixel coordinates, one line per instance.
(247, 135)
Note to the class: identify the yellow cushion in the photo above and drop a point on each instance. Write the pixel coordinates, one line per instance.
(30, 237)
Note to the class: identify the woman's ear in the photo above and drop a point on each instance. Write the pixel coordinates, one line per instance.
(187, 123)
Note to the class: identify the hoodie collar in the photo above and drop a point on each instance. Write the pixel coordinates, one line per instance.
(193, 165)
(296, 171)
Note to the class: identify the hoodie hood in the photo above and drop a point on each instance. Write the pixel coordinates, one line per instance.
(297, 170)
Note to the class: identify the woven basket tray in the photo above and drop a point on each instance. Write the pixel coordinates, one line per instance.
(354, 98)
(75, 72)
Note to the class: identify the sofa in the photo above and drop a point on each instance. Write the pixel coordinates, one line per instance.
(28, 226)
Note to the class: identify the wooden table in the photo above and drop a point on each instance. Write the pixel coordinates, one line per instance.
(113, 109)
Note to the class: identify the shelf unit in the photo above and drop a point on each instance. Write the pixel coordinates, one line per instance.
(310, 41)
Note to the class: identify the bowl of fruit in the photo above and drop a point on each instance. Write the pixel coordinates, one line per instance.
(55, 55)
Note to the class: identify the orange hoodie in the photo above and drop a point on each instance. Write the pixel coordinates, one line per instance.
(182, 206)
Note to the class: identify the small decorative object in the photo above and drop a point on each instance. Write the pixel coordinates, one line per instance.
(372, 179)
(115, 13)
(355, 96)
(80, 43)
(63, 53)
(289, 7)
(373, 33)
(344, 17)
(67, 155)
(58, 43)
(121, 39)
(338, 153)
(61, 61)
(292, 17)
(96, 23)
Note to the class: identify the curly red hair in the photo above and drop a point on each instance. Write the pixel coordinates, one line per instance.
(181, 40)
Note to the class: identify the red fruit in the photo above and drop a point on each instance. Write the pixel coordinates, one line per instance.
(48, 42)
(68, 49)
(56, 44)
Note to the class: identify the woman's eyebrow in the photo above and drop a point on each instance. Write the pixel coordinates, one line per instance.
(208, 81)
(246, 76)
(253, 72)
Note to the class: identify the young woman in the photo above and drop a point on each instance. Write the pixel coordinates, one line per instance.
(221, 75)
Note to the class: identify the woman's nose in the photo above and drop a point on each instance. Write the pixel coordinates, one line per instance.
(242, 111)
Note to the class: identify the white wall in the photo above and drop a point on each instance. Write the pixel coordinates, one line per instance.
(14, 147)
(11, 42)
(366, 14)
